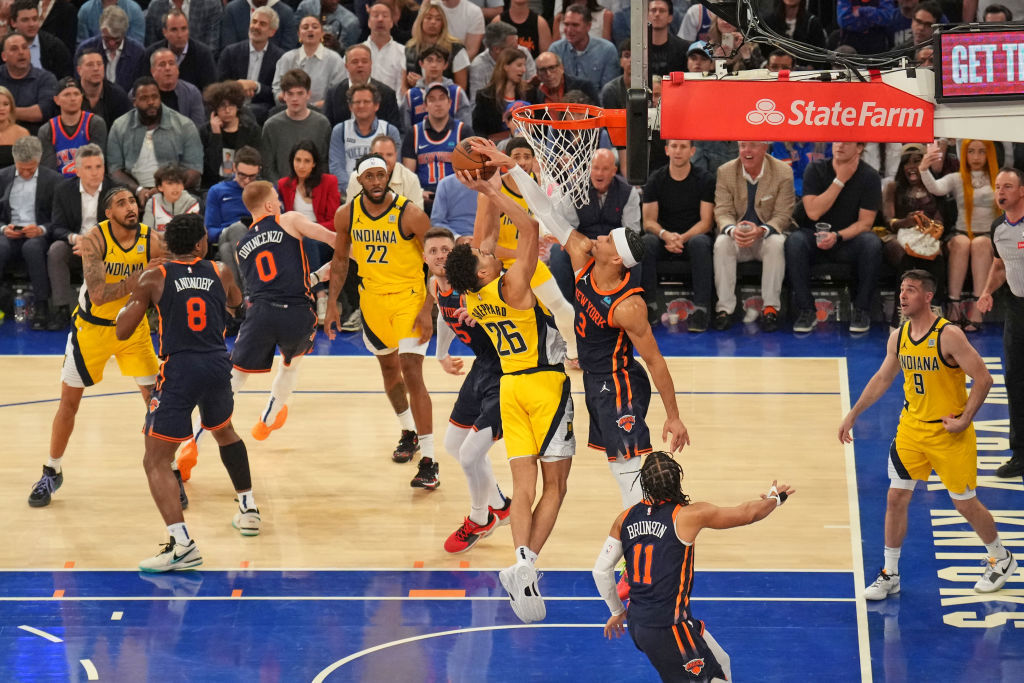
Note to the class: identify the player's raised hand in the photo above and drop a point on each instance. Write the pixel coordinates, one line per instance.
(473, 181)
(332, 319)
(844, 429)
(495, 157)
(452, 365)
(680, 437)
(464, 317)
(615, 628)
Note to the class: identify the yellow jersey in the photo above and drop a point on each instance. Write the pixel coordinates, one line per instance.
(118, 264)
(508, 233)
(526, 340)
(932, 388)
(389, 260)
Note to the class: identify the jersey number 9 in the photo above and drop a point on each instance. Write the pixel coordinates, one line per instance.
(918, 383)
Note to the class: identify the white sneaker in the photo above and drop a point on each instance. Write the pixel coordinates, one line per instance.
(353, 323)
(247, 523)
(173, 558)
(520, 581)
(885, 585)
(997, 573)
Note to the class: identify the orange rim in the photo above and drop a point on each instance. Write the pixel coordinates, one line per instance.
(614, 120)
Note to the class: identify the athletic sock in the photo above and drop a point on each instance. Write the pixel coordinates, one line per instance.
(179, 533)
(281, 390)
(236, 462)
(497, 499)
(892, 560)
(996, 549)
(405, 419)
(54, 463)
(174, 465)
(246, 501)
(625, 473)
(470, 448)
(426, 442)
(238, 379)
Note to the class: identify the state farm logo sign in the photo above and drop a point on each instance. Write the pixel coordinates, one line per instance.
(865, 115)
(764, 112)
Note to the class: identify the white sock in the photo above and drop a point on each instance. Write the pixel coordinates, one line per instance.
(892, 560)
(470, 448)
(174, 465)
(996, 549)
(525, 555)
(625, 473)
(238, 379)
(197, 429)
(179, 533)
(246, 501)
(54, 463)
(281, 390)
(426, 442)
(405, 419)
(565, 315)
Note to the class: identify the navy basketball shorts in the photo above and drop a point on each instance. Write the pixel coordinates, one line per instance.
(478, 405)
(679, 652)
(617, 403)
(269, 326)
(188, 380)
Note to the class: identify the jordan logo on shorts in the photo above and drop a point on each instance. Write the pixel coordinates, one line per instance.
(604, 387)
(695, 666)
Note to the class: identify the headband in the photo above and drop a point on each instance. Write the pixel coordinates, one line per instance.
(618, 236)
(370, 162)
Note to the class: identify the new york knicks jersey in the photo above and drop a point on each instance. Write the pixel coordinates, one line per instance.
(508, 233)
(525, 340)
(273, 264)
(389, 260)
(417, 103)
(659, 567)
(472, 336)
(118, 264)
(66, 146)
(191, 308)
(603, 348)
(932, 388)
(434, 157)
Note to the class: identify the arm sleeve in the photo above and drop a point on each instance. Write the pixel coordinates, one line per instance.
(604, 574)
(445, 335)
(541, 205)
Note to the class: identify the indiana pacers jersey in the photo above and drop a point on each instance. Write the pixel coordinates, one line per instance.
(448, 302)
(191, 309)
(659, 567)
(273, 264)
(603, 348)
(932, 388)
(65, 145)
(508, 233)
(389, 260)
(526, 340)
(119, 263)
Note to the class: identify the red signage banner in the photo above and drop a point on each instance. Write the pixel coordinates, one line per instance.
(792, 111)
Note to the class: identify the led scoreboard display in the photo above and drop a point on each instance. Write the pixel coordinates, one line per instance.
(979, 65)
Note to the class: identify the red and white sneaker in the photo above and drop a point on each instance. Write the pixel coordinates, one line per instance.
(622, 587)
(502, 513)
(466, 536)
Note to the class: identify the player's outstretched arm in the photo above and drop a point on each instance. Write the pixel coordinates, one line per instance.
(298, 226)
(339, 267)
(604, 577)
(875, 389)
(708, 516)
(955, 346)
(631, 316)
(148, 291)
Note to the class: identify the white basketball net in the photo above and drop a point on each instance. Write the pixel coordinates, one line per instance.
(565, 156)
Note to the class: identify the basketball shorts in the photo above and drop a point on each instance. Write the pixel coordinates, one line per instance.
(920, 447)
(389, 320)
(683, 652)
(478, 405)
(536, 415)
(90, 346)
(269, 326)
(188, 380)
(618, 403)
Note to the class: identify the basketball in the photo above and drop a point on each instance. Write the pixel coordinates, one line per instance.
(465, 158)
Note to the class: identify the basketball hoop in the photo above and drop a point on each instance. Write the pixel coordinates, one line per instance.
(564, 138)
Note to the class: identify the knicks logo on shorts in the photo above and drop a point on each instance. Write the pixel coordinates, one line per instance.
(154, 403)
(626, 423)
(695, 666)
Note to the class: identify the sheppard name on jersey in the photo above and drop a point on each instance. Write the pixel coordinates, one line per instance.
(645, 527)
(203, 283)
(122, 269)
(592, 312)
(481, 311)
(261, 238)
(368, 235)
(919, 363)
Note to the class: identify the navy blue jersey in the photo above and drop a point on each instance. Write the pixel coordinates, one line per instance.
(273, 264)
(472, 336)
(191, 309)
(603, 348)
(659, 566)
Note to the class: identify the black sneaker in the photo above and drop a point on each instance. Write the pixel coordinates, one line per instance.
(769, 319)
(45, 487)
(181, 490)
(723, 321)
(698, 321)
(805, 321)
(426, 476)
(60, 319)
(860, 321)
(407, 447)
(1014, 467)
(41, 316)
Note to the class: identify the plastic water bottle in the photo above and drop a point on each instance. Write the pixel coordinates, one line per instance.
(20, 314)
(30, 304)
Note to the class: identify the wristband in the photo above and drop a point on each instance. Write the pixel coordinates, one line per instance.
(839, 237)
(729, 229)
(661, 233)
(840, 183)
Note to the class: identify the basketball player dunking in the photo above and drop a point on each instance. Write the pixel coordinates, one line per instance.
(935, 429)
(191, 297)
(384, 233)
(657, 536)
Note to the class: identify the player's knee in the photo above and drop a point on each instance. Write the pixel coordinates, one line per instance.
(966, 501)
(899, 496)
(226, 435)
(556, 486)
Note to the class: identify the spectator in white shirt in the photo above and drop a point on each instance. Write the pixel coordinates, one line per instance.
(325, 67)
(465, 23)
(387, 55)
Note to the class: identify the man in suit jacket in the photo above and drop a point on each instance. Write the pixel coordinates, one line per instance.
(262, 54)
(754, 201)
(129, 55)
(237, 14)
(26, 202)
(203, 18)
(52, 54)
(359, 62)
(196, 63)
(175, 92)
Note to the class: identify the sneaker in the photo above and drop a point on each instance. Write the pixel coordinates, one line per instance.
(426, 475)
(860, 321)
(247, 522)
(188, 458)
(698, 321)
(45, 487)
(520, 581)
(504, 513)
(805, 321)
(181, 489)
(622, 587)
(353, 323)
(261, 430)
(173, 558)
(769, 319)
(321, 310)
(60, 319)
(1014, 467)
(722, 322)
(466, 536)
(885, 585)
(41, 316)
(996, 573)
(407, 447)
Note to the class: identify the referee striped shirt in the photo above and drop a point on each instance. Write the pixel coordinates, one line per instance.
(1008, 240)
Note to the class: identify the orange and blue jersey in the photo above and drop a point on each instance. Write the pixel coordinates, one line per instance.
(273, 264)
(66, 146)
(434, 157)
(659, 567)
(191, 309)
(603, 348)
(473, 336)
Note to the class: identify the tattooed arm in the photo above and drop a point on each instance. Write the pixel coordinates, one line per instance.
(100, 291)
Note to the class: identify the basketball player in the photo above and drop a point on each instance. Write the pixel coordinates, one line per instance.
(535, 399)
(191, 297)
(281, 313)
(113, 256)
(475, 422)
(935, 429)
(660, 570)
(384, 232)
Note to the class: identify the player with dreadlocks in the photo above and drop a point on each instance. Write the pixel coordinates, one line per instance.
(660, 570)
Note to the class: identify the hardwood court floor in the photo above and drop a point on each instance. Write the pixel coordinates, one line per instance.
(330, 496)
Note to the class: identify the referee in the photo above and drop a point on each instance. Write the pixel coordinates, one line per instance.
(1008, 267)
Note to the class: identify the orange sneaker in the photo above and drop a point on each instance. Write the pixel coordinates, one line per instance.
(262, 430)
(188, 458)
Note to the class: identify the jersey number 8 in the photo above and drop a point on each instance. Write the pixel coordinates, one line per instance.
(196, 308)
